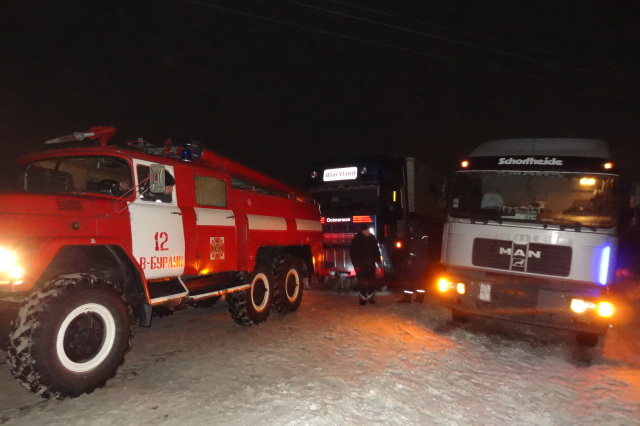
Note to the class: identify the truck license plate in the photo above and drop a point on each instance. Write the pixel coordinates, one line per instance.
(485, 292)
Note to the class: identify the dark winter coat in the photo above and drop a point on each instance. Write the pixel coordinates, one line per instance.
(364, 255)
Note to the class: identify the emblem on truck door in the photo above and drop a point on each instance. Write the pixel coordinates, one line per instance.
(217, 248)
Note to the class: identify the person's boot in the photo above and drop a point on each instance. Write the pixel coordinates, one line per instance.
(406, 297)
(370, 299)
(362, 300)
(419, 296)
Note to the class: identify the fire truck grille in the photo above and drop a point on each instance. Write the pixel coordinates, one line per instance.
(66, 204)
(534, 258)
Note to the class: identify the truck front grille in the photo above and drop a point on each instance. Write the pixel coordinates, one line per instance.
(534, 258)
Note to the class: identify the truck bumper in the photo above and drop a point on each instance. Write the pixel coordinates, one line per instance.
(528, 301)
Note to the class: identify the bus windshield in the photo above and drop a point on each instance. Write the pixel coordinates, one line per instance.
(352, 199)
(571, 199)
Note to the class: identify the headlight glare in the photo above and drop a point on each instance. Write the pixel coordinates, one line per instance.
(10, 271)
(443, 285)
(605, 309)
(7, 258)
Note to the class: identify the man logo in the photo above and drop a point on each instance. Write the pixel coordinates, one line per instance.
(520, 252)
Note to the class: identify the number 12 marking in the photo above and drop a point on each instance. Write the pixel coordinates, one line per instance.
(161, 239)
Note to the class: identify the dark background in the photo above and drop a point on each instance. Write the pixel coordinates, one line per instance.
(278, 84)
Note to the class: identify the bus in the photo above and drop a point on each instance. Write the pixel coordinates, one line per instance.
(397, 198)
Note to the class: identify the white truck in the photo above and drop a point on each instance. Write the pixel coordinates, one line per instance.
(531, 236)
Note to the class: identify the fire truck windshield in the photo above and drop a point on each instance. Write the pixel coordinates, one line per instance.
(101, 175)
(578, 199)
(353, 199)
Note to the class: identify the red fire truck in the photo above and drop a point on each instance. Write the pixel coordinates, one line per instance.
(98, 236)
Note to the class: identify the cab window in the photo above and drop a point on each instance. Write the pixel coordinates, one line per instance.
(210, 191)
(143, 186)
(100, 175)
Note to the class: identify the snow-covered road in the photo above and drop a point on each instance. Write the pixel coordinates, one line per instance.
(334, 363)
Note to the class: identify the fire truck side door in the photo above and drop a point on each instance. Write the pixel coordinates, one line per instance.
(157, 233)
(215, 225)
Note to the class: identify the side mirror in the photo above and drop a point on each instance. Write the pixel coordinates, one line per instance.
(157, 185)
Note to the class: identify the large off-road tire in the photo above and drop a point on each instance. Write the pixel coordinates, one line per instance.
(287, 293)
(252, 306)
(70, 337)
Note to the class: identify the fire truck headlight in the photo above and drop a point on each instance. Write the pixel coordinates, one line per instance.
(461, 288)
(10, 270)
(605, 309)
(443, 285)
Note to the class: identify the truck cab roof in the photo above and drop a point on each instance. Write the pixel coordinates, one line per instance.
(564, 147)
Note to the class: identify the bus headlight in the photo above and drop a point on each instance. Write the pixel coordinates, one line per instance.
(10, 271)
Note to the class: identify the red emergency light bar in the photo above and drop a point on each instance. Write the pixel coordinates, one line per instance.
(362, 219)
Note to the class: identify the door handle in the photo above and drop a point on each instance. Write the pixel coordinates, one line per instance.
(179, 213)
(231, 217)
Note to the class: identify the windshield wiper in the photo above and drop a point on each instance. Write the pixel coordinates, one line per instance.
(484, 217)
(575, 225)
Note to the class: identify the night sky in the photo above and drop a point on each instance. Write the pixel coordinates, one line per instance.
(279, 84)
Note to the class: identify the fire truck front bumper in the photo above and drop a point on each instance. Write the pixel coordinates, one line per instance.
(582, 307)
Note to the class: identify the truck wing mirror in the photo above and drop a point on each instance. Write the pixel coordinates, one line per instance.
(157, 185)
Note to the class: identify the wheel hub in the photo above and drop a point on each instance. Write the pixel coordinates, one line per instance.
(84, 337)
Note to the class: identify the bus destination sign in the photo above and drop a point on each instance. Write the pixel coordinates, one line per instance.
(343, 173)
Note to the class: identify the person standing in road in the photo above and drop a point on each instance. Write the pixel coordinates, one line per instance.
(364, 256)
(417, 259)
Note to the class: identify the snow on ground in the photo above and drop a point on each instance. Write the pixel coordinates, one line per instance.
(335, 363)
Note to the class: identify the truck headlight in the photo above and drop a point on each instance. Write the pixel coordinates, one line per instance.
(10, 270)
(580, 306)
(605, 309)
(443, 285)
(602, 309)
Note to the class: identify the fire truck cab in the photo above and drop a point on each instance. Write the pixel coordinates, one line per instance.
(96, 237)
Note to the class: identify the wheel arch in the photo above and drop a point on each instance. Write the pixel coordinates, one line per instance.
(110, 263)
(267, 254)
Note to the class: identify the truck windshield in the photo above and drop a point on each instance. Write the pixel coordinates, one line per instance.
(348, 199)
(102, 175)
(570, 199)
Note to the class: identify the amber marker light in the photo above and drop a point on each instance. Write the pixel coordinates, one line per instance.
(608, 166)
(464, 164)
(443, 285)
(461, 288)
(587, 181)
(398, 244)
(605, 309)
